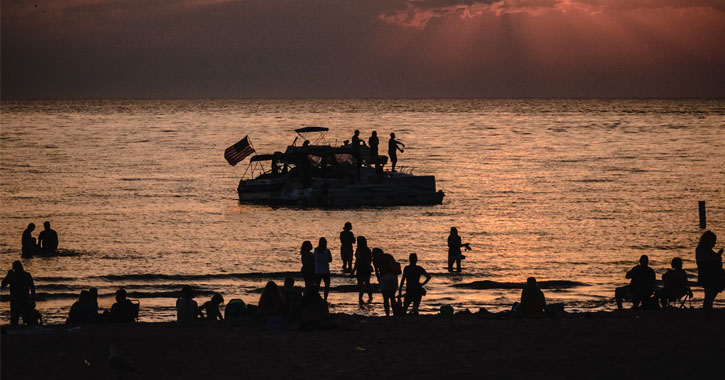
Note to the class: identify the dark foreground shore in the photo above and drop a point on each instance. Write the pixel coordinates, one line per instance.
(651, 345)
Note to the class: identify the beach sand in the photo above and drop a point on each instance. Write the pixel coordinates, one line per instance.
(628, 344)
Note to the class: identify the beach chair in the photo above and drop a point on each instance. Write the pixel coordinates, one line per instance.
(682, 300)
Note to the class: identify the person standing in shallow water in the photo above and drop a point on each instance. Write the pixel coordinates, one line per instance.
(323, 258)
(454, 250)
(308, 264)
(48, 240)
(393, 147)
(363, 269)
(29, 247)
(22, 291)
(387, 271)
(710, 273)
(414, 292)
(347, 239)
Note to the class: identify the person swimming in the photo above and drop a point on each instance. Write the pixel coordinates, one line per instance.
(29, 246)
(48, 240)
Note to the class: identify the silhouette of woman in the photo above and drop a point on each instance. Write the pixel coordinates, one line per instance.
(363, 269)
(710, 273)
(323, 258)
(454, 250)
(308, 263)
(347, 239)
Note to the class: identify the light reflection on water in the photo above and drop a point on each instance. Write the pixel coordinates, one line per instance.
(558, 189)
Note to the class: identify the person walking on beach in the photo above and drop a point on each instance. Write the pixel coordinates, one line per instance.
(48, 240)
(393, 147)
(187, 310)
(347, 239)
(710, 273)
(373, 143)
(387, 271)
(323, 258)
(454, 250)
(29, 247)
(308, 263)
(641, 285)
(22, 291)
(414, 292)
(363, 269)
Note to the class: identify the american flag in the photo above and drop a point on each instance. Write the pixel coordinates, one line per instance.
(235, 153)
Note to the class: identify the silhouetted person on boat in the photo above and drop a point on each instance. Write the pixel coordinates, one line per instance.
(123, 310)
(347, 239)
(308, 263)
(710, 273)
(22, 291)
(187, 310)
(272, 307)
(387, 271)
(641, 285)
(363, 269)
(373, 143)
(356, 142)
(323, 258)
(454, 250)
(674, 283)
(211, 307)
(414, 292)
(533, 301)
(48, 240)
(29, 246)
(85, 310)
(393, 147)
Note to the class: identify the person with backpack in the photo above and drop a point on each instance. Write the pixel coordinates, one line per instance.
(387, 271)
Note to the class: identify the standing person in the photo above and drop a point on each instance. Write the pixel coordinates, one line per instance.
(454, 250)
(363, 269)
(308, 263)
(29, 247)
(356, 142)
(414, 292)
(373, 143)
(187, 310)
(641, 284)
(393, 147)
(323, 258)
(48, 240)
(22, 291)
(347, 239)
(710, 273)
(387, 271)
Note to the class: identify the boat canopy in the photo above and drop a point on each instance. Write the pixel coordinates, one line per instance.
(267, 157)
(311, 129)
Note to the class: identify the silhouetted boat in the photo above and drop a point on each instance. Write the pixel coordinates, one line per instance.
(321, 175)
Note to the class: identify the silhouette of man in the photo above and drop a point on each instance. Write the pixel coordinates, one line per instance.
(22, 291)
(393, 147)
(29, 247)
(356, 142)
(533, 301)
(641, 285)
(414, 292)
(123, 310)
(373, 143)
(48, 240)
(674, 282)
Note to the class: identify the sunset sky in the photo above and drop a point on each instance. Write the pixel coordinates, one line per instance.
(362, 48)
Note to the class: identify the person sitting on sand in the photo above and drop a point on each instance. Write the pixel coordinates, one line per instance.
(533, 301)
(22, 291)
(363, 269)
(211, 307)
(323, 258)
(292, 298)
(236, 308)
(313, 310)
(123, 310)
(272, 306)
(347, 240)
(414, 292)
(93, 300)
(308, 263)
(674, 284)
(48, 240)
(387, 271)
(84, 310)
(454, 250)
(641, 285)
(29, 247)
(32, 315)
(710, 273)
(187, 310)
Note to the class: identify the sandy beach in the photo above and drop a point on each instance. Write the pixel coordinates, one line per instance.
(628, 344)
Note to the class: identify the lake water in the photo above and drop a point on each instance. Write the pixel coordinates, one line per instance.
(563, 190)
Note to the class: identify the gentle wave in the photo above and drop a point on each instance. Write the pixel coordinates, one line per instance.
(487, 284)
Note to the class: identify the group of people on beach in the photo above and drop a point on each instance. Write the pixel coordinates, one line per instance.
(46, 244)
